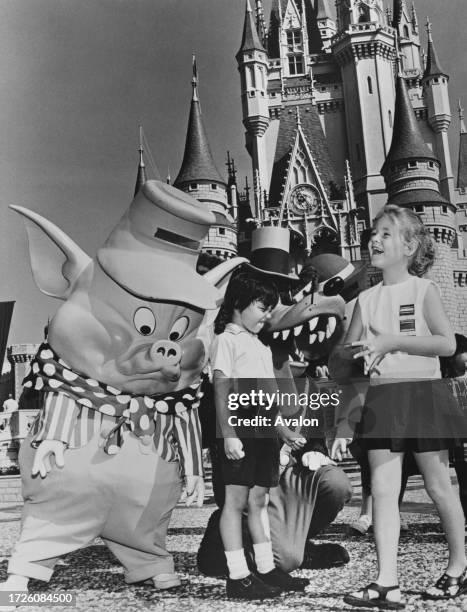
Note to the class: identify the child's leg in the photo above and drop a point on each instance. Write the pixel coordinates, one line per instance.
(258, 525)
(230, 527)
(386, 468)
(435, 470)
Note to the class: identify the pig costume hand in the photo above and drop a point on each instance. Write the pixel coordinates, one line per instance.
(119, 381)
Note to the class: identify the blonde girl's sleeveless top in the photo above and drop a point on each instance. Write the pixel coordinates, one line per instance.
(398, 310)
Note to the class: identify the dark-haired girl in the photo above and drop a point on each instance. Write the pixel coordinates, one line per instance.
(250, 465)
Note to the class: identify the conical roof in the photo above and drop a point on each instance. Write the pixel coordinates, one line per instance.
(250, 38)
(197, 163)
(433, 67)
(407, 141)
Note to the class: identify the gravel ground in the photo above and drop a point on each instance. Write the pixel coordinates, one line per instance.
(98, 578)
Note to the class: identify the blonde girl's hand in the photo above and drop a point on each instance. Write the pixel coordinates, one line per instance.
(233, 448)
(374, 349)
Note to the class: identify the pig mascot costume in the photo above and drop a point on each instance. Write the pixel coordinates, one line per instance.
(119, 377)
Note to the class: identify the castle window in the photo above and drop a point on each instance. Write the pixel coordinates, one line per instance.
(390, 118)
(251, 81)
(222, 231)
(444, 210)
(213, 186)
(413, 164)
(419, 208)
(296, 64)
(193, 186)
(370, 85)
(294, 40)
(431, 164)
(406, 31)
(436, 80)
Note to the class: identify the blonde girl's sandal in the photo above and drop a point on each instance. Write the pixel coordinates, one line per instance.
(447, 587)
(380, 601)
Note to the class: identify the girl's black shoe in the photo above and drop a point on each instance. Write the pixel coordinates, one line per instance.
(283, 580)
(251, 587)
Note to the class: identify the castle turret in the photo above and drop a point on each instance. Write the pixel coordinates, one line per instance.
(435, 82)
(411, 172)
(253, 67)
(200, 177)
(364, 47)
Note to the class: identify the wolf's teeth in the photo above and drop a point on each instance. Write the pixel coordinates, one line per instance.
(312, 338)
(321, 336)
(312, 323)
(331, 326)
(285, 334)
(275, 335)
(297, 330)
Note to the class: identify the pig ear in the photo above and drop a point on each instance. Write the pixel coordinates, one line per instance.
(220, 275)
(56, 260)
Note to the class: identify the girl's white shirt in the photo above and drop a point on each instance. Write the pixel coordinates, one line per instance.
(240, 354)
(398, 310)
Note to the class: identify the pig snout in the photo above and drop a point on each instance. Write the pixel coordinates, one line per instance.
(165, 352)
(162, 357)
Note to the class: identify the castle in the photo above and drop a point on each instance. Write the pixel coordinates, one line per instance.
(343, 112)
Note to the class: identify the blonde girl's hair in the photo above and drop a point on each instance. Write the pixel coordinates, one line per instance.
(412, 230)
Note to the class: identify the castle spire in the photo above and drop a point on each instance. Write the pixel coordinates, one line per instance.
(398, 7)
(407, 141)
(462, 165)
(141, 176)
(433, 67)
(197, 159)
(250, 38)
(414, 19)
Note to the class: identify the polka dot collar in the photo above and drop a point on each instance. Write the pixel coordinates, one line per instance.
(50, 373)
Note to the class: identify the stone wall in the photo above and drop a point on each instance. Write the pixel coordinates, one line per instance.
(10, 490)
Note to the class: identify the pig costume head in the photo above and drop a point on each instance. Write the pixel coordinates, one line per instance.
(132, 315)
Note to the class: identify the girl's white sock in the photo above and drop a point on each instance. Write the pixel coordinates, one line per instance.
(237, 564)
(263, 557)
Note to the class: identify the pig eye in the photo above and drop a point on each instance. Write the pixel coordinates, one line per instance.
(179, 328)
(145, 321)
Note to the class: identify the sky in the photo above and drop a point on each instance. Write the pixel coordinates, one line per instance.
(77, 78)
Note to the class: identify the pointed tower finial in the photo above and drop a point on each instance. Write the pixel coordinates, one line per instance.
(141, 175)
(428, 29)
(194, 80)
(398, 55)
(299, 120)
(461, 118)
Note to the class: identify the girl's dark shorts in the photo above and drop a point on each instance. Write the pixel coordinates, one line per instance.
(259, 466)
